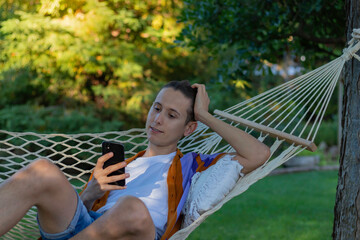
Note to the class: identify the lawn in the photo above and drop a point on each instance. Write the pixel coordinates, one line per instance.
(292, 206)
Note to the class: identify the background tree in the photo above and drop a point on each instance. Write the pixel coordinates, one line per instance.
(98, 59)
(259, 44)
(70, 66)
(347, 206)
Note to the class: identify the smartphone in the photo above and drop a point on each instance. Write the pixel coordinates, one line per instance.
(118, 150)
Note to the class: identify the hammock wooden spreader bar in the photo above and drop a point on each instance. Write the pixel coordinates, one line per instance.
(297, 141)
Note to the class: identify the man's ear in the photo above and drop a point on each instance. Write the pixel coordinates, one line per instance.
(190, 128)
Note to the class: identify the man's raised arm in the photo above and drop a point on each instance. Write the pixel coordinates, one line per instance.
(250, 152)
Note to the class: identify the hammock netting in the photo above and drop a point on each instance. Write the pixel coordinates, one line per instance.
(286, 118)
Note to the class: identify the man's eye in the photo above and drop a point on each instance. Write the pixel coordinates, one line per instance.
(157, 109)
(171, 116)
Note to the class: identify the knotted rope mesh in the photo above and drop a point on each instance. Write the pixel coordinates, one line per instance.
(75, 154)
(295, 107)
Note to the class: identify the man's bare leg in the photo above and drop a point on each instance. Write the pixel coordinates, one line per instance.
(127, 219)
(43, 185)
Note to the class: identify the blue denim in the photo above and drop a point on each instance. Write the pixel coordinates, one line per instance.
(80, 221)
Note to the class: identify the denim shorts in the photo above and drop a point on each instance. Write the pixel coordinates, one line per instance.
(80, 221)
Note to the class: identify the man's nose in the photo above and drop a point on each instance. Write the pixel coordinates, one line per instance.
(159, 118)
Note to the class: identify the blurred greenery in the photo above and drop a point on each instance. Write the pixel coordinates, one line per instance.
(259, 44)
(254, 31)
(85, 66)
(56, 119)
(327, 133)
(111, 55)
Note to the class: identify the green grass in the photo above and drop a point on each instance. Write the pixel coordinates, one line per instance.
(292, 206)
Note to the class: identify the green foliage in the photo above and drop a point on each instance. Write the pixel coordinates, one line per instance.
(9, 7)
(328, 133)
(22, 118)
(256, 41)
(113, 54)
(266, 29)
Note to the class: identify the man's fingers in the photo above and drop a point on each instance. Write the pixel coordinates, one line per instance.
(117, 178)
(202, 95)
(109, 187)
(104, 181)
(103, 159)
(114, 167)
(198, 86)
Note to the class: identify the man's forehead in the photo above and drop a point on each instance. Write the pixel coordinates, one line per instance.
(173, 99)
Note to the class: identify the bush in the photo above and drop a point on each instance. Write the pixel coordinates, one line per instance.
(328, 133)
(24, 118)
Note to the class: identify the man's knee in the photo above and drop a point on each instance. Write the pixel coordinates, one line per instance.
(139, 215)
(138, 219)
(41, 174)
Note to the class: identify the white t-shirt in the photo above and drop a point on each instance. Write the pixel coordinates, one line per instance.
(148, 182)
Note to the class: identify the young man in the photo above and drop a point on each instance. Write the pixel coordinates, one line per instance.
(158, 178)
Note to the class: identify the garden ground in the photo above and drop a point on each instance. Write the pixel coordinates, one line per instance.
(295, 206)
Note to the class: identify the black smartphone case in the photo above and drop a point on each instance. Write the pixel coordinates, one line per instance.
(118, 150)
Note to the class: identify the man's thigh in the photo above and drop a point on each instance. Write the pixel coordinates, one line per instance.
(58, 202)
(81, 219)
(127, 219)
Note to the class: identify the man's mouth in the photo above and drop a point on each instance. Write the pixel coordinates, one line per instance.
(155, 130)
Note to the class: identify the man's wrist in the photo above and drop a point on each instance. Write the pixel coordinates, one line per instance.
(203, 117)
(86, 200)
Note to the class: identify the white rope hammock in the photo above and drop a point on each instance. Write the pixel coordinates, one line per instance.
(291, 113)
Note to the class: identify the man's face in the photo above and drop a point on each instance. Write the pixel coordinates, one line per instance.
(165, 124)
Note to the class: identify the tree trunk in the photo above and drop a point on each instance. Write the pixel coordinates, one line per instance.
(347, 205)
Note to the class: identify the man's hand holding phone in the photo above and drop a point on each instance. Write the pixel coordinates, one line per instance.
(101, 177)
(102, 181)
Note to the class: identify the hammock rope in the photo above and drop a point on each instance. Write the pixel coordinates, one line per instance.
(290, 112)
